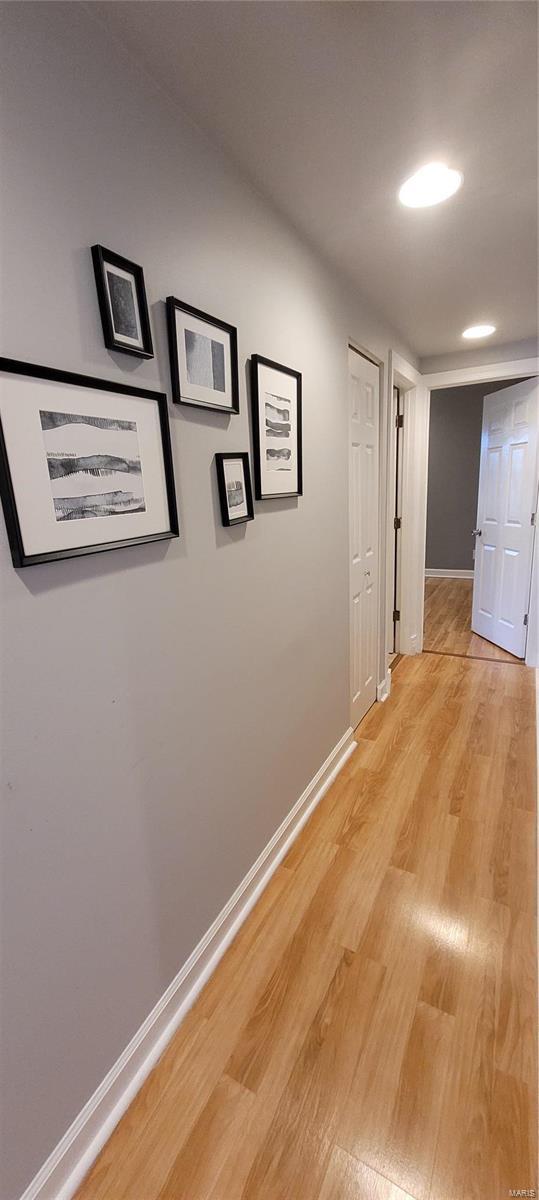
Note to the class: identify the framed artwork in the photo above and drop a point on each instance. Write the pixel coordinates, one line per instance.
(234, 481)
(85, 464)
(276, 404)
(122, 303)
(203, 358)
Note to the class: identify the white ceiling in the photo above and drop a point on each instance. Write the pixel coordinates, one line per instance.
(328, 107)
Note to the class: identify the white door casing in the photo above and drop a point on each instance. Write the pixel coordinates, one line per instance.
(507, 495)
(415, 453)
(364, 473)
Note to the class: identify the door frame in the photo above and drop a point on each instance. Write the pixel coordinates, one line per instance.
(396, 436)
(414, 499)
(415, 448)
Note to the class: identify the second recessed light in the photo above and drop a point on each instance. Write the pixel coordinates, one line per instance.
(430, 185)
(479, 331)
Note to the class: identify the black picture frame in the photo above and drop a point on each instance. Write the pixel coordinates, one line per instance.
(180, 387)
(7, 492)
(257, 361)
(113, 339)
(220, 461)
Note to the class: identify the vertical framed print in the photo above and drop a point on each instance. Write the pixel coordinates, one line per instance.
(234, 483)
(277, 434)
(121, 293)
(203, 358)
(85, 464)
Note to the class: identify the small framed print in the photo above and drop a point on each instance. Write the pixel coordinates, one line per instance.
(122, 303)
(85, 464)
(203, 358)
(276, 406)
(234, 482)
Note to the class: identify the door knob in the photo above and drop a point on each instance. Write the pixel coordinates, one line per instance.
(476, 533)
(367, 572)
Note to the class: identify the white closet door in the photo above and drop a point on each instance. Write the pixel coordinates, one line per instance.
(504, 532)
(363, 395)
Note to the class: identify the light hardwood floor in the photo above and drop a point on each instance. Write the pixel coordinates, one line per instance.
(448, 622)
(371, 1032)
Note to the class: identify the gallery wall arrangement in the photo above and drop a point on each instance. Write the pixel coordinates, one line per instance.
(76, 448)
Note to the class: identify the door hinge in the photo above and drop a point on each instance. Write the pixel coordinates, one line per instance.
(396, 614)
(399, 421)
(534, 518)
(526, 619)
(397, 522)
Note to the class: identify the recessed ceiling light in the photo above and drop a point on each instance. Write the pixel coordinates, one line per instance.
(479, 331)
(430, 185)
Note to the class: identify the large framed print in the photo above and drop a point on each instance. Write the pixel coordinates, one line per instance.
(203, 358)
(234, 483)
(85, 464)
(276, 405)
(121, 293)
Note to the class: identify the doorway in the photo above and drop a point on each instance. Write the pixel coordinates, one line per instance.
(480, 501)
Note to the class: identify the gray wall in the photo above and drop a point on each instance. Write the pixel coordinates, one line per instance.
(456, 416)
(162, 707)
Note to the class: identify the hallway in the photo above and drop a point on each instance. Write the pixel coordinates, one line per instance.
(371, 1031)
(448, 622)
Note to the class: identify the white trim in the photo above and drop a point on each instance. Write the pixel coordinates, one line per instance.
(532, 640)
(383, 689)
(384, 427)
(439, 573)
(390, 635)
(64, 1170)
(536, 784)
(404, 374)
(414, 504)
(521, 368)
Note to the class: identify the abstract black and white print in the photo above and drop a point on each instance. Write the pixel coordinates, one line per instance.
(94, 465)
(276, 405)
(205, 359)
(122, 302)
(235, 493)
(279, 456)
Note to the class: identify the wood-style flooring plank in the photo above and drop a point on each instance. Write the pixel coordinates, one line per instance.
(412, 1137)
(349, 1179)
(463, 1162)
(293, 1158)
(516, 1026)
(513, 1137)
(375, 1088)
(193, 1171)
(371, 1032)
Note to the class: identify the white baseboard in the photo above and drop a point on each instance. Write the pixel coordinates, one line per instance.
(439, 573)
(383, 689)
(64, 1170)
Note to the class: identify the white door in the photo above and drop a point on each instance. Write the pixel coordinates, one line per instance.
(363, 395)
(504, 533)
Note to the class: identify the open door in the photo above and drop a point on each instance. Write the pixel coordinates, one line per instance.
(505, 516)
